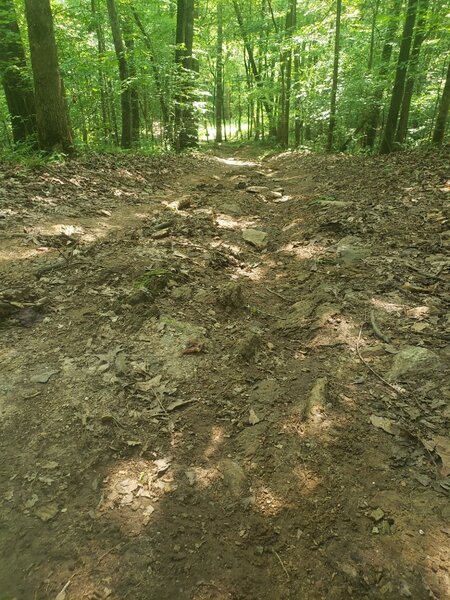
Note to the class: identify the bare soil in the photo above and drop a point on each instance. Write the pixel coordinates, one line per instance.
(187, 415)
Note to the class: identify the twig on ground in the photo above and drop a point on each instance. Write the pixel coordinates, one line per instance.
(366, 364)
(281, 563)
(279, 295)
(377, 330)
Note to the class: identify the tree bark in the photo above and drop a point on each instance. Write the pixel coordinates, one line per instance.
(134, 91)
(286, 77)
(51, 108)
(387, 143)
(104, 104)
(165, 113)
(419, 38)
(15, 79)
(444, 106)
(219, 73)
(337, 43)
(386, 54)
(186, 126)
(124, 75)
(254, 69)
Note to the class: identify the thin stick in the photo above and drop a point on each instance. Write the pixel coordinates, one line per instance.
(281, 563)
(365, 363)
(279, 295)
(377, 330)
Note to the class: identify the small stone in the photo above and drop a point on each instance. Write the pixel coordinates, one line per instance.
(377, 515)
(271, 195)
(258, 189)
(256, 238)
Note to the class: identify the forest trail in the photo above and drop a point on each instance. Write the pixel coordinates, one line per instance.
(187, 415)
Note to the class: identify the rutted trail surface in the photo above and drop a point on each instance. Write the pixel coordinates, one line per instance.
(225, 379)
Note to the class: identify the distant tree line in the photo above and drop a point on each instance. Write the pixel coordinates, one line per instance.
(356, 75)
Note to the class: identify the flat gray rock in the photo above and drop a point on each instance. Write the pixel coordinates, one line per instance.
(255, 238)
(413, 359)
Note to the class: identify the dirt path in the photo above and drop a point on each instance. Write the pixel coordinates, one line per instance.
(186, 415)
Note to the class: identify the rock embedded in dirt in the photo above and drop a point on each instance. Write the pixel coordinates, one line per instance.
(231, 208)
(272, 195)
(248, 346)
(256, 238)
(234, 477)
(258, 189)
(413, 359)
(230, 295)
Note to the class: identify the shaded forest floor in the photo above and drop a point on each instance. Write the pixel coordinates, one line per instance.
(189, 415)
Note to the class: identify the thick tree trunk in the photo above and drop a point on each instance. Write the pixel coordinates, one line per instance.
(186, 126)
(219, 74)
(16, 83)
(124, 75)
(387, 143)
(386, 54)
(51, 108)
(334, 86)
(419, 37)
(444, 106)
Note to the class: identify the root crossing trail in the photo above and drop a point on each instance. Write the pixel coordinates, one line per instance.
(225, 378)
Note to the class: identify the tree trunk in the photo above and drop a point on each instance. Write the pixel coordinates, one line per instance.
(286, 79)
(134, 91)
(51, 109)
(255, 71)
(387, 143)
(124, 75)
(106, 121)
(444, 106)
(337, 43)
(165, 113)
(219, 73)
(419, 37)
(16, 83)
(386, 54)
(186, 126)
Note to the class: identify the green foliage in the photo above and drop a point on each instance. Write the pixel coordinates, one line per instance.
(93, 90)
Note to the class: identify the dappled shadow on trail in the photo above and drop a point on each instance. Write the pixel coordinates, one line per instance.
(189, 416)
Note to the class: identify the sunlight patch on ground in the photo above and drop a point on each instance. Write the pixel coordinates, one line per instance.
(234, 162)
(252, 272)
(337, 330)
(267, 502)
(216, 440)
(389, 307)
(21, 253)
(307, 480)
(203, 478)
(224, 221)
(132, 489)
(303, 252)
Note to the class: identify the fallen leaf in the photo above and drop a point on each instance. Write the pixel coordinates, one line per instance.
(253, 418)
(177, 404)
(127, 486)
(162, 464)
(387, 425)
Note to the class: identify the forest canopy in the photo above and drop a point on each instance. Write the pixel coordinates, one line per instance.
(358, 75)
